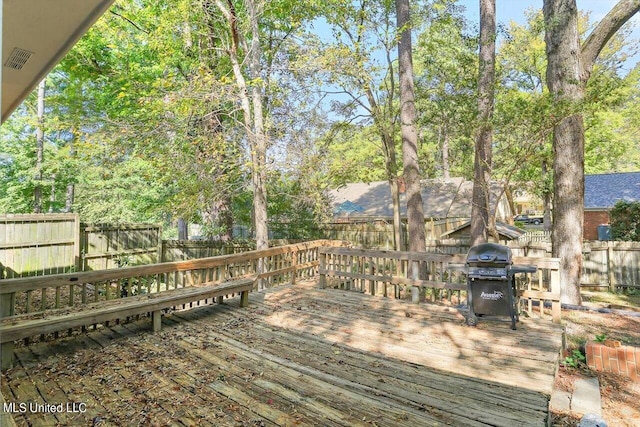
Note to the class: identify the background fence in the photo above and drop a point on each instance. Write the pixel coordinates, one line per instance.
(44, 244)
(180, 250)
(605, 264)
(104, 246)
(379, 234)
(33, 245)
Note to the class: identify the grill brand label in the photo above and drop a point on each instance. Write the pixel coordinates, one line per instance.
(493, 296)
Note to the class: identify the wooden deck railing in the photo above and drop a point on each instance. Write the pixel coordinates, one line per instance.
(273, 266)
(385, 273)
(376, 272)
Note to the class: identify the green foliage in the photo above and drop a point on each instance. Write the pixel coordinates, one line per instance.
(446, 69)
(625, 221)
(291, 211)
(575, 359)
(601, 338)
(142, 115)
(612, 121)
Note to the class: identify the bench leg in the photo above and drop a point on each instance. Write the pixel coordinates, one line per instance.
(156, 320)
(6, 355)
(219, 299)
(244, 299)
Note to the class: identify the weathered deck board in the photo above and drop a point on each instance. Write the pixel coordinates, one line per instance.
(297, 356)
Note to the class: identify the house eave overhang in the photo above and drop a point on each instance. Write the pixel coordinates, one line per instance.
(42, 31)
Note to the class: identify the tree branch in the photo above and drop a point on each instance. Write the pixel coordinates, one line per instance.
(129, 21)
(606, 28)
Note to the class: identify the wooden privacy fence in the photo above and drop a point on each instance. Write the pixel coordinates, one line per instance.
(385, 273)
(179, 250)
(44, 244)
(379, 234)
(612, 266)
(39, 244)
(106, 246)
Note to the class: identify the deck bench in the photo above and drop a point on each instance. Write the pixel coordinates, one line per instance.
(24, 326)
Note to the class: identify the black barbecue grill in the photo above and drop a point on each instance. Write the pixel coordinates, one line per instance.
(491, 286)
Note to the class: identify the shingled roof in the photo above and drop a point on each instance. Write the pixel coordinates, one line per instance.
(602, 191)
(442, 198)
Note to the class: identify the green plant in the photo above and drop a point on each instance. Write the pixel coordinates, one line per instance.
(601, 338)
(574, 359)
(625, 221)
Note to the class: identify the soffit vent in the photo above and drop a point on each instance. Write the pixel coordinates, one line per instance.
(18, 58)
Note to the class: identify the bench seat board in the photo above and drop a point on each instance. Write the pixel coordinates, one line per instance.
(15, 328)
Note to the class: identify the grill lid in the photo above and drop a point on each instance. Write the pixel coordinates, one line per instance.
(489, 254)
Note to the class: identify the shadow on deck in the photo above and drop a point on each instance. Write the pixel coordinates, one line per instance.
(297, 356)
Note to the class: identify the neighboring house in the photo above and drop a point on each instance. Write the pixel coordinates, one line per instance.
(450, 198)
(601, 192)
(526, 203)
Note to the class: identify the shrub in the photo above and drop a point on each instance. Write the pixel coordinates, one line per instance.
(625, 221)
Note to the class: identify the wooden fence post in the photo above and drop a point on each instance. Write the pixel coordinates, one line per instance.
(610, 272)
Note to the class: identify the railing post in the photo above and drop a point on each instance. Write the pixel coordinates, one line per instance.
(556, 308)
(294, 265)
(322, 258)
(6, 348)
(372, 283)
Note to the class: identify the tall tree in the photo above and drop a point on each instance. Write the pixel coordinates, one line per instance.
(358, 63)
(38, 190)
(569, 67)
(252, 70)
(480, 208)
(415, 208)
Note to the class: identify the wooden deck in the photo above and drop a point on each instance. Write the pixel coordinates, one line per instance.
(297, 356)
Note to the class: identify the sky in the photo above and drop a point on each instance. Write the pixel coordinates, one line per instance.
(507, 10)
(513, 10)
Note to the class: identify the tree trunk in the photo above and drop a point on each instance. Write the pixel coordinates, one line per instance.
(546, 220)
(259, 162)
(391, 169)
(568, 69)
(415, 208)
(69, 197)
(390, 165)
(564, 81)
(71, 188)
(52, 194)
(252, 112)
(446, 167)
(183, 229)
(37, 191)
(480, 207)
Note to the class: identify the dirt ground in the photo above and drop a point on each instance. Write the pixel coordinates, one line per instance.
(620, 395)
